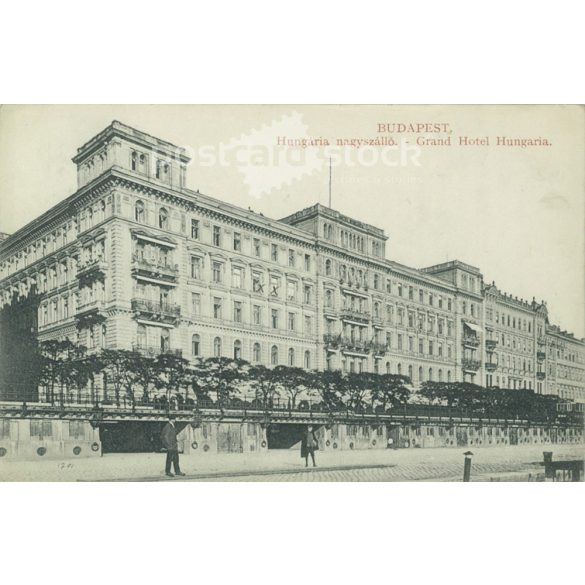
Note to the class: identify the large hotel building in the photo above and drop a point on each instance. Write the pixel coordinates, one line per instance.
(134, 259)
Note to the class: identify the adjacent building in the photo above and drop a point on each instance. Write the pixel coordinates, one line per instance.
(136, 260)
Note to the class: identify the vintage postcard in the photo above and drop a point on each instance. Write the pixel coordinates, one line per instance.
(292, 293)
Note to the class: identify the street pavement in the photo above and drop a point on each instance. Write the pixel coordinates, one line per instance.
(441, 464)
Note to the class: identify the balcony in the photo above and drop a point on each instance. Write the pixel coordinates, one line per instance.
(490, 344)
(540, 356)
(470, 341)
(355, 315)
(378, 348)
(332, 341)
(154, 350)
(491, 366)
(168, 313)
(90, 311)
(156, 270)
(349, 345)
(92, 269)
(540, 375)
(470, 364)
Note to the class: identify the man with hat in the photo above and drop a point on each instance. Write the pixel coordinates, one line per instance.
(168, 438)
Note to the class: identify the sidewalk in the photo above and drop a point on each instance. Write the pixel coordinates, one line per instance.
(420, 463)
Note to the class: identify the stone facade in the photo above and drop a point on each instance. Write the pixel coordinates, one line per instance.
(134, 259)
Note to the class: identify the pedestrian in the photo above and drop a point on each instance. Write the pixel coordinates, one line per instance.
(168, 438)
(309, 445)
(390, 442)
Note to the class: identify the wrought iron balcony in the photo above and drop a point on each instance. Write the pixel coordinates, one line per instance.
(162, 312)
(92, 268)
(540, 375)
(470, 364)
(154, 351)
(152, 269)
(540, 356)
(490, 344)
(491, 366)
(470, 341)
(355, 315)
(378, 348)
(332, 341)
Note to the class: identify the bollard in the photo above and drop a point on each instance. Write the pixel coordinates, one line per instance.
(467, 466)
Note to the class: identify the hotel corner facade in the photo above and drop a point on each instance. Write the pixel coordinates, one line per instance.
(134, 259)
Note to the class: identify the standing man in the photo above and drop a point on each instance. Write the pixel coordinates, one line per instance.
(309, 445)
(168, 438)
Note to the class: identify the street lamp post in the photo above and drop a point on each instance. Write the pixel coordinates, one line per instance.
(467, 466)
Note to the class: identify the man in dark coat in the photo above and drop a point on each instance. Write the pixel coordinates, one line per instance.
(309, 445)
(168, 438)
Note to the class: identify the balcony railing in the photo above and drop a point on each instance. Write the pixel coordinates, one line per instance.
(470, 341)
(166, 312)
(470, 364)
(89, 307)
(490, 344)
(540, 375)
(154, 350)
(355, 315)
(92, 268)
(155, 269)
(491, 366)
(540, 356)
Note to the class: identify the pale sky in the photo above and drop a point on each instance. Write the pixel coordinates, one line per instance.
(516, 213)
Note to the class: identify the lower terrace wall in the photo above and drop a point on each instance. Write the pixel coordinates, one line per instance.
(36, 438)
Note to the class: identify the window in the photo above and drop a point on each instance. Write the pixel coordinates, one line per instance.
(399, 341)
(238, 311)
(291, 258)
(216, 308)
(195, 267)
(430, 348)
(237, 279)
(217, 347)
(291, 290)
(217, 272)
(306, 294)
(411, 293)
(307, 360)
(163, 219)
(216, 236)
(41, 428)
(237, 242)
(291, 321)
(257, 247)
(274, 355)
(257, 315)
(139, 214)
(165, 340)
(195, 229)
(307, 262)
(274, 252)
(308, 324)
(257, 286)
(237, 349)
(421, 296)
(291, 357)
(329, 298)
(327, 267)
(195, 345)
(256, 355)
(376, 281)
(274, 320)
(274, 285)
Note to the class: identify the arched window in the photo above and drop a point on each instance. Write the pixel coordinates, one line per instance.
(430, 374)
(448, 375)
(328, 267)
(440, 375)
(420, 374)
(163, 219)
(307, 360)
(410, 372)
(256, 352)
(376, 309)
(237, 349)
(274, 355)
(141, 336)
(387, 367)
(217, 347)
(291, 357)
(328, 298)
(103, 336)
(399, 369)
(139, 211)
(195, 345)
(134, 161)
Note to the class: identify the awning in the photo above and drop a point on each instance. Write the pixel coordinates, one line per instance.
(473, 326)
